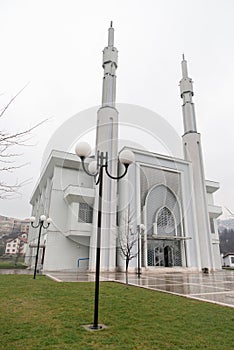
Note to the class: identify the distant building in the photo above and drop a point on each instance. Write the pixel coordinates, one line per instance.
(24, 227)
(16, 246)
(169, 196)
(6, 225)
(228, 260)
(10, 225)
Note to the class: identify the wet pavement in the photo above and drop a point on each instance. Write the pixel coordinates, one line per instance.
(15, 272)
(215, 287)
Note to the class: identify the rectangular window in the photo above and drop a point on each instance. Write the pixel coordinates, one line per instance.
(212, 227)
(232, 259)
(85, 213)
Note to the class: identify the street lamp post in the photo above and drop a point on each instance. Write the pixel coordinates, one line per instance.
(40, 224)
(96, 169)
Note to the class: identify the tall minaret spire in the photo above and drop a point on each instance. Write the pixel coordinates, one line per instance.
(110, 60)
(186, 91)
(193, 154)
(107, 142)
(184, 67)
(111, 35)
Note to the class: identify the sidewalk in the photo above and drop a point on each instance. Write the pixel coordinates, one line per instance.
(215, 287)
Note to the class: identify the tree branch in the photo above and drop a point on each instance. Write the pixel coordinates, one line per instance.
(8, 158)
(11, 100)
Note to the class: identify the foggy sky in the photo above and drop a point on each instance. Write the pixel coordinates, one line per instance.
(56, 47)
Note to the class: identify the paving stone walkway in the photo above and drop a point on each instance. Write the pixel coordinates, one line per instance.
(215, 287)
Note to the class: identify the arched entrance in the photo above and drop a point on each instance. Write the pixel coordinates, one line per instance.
(164, 228)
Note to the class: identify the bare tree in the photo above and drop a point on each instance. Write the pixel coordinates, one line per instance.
(8, 157)
(127, 240)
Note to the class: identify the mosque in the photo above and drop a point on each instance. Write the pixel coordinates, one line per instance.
(164, 204)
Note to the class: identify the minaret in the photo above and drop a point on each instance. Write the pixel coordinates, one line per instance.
(193, 153)
(107, 117)
(107, 141)
(186, 90)
(110, 58)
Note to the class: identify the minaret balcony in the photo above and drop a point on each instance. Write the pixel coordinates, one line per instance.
(110, 54)
(186, 85)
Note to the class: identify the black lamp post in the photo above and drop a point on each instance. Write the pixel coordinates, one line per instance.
(96, 169)
(40, 224)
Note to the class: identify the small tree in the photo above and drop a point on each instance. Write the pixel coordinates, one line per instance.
(127, 240)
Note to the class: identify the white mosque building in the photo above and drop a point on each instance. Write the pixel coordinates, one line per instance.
(167, 197)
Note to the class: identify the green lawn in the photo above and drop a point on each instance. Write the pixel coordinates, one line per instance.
(43, 314)
(12, 265)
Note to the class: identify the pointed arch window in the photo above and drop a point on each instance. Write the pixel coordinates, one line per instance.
(165, 222)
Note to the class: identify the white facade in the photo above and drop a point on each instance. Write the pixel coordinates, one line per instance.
(169, 196)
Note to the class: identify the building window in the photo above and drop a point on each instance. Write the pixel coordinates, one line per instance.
(232, 259)
(13, 250)
(85, 213)
(165, 222)
(212, 227)
(8, 250)
(14, 245)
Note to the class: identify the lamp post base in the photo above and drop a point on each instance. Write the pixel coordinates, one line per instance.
(91, 327)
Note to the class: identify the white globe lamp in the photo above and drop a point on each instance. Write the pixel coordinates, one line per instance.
(126, 157)
(83, 149)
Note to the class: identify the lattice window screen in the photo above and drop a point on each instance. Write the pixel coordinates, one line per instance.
(156, 255)
(165, 222)
(85, 213)
(160, 197)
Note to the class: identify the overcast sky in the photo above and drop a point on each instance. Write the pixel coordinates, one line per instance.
(57, 45)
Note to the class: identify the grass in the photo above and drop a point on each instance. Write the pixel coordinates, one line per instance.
(12, 265)
(43, 314)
